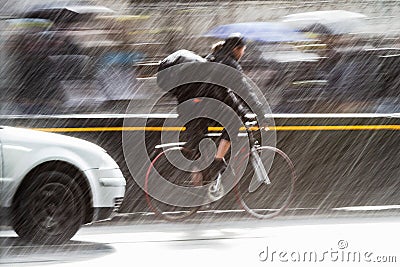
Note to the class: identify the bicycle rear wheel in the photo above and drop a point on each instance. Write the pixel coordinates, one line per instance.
(163, 167)
(262, 200)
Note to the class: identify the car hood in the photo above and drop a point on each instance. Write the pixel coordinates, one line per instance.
(60, 145)
(34, 136)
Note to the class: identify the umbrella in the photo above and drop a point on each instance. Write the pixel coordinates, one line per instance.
(265, 32)
(326, 22)
(65, 13)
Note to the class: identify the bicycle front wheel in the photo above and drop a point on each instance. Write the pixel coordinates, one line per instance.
(263, 197)
(163, 167)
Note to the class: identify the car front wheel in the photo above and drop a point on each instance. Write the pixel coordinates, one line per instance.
(50, 209)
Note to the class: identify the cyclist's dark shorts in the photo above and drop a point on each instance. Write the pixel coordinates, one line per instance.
(197, 129)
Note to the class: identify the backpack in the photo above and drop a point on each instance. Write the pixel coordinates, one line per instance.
(178, 57)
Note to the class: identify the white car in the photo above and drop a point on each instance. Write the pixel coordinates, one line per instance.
(51, 184)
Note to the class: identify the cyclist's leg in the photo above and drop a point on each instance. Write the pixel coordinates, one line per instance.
(219, 164)
(223, 148)
(195, 131)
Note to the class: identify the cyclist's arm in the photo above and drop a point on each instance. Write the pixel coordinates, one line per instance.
(250, 101)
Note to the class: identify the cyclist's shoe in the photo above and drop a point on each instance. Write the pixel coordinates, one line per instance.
(215, 191)
(211, 172)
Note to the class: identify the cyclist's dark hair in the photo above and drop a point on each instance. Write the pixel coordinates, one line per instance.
(233, 41)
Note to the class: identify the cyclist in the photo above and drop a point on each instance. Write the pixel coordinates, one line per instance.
(227, 52)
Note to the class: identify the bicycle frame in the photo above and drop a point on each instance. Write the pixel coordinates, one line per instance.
(216, 188)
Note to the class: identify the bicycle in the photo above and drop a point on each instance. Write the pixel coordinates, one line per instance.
(248, 192)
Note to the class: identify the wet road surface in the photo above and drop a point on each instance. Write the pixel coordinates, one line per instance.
(222, 240)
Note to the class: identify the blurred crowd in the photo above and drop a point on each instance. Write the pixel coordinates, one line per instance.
(91, 59)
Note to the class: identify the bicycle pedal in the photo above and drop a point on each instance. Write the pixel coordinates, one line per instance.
(215, 192)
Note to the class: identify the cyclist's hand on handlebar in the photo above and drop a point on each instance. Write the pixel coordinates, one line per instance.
(252, 122)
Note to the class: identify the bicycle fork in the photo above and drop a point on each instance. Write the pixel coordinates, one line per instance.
(260, 174)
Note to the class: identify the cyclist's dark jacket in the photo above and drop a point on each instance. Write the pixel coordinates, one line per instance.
(251, 100)
(198, 90)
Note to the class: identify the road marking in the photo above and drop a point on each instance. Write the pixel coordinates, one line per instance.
(336, 128)
(219, 129)
(112, 129)
(368, 208)
(216, 211)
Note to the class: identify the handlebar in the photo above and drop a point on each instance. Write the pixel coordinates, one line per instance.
(250, 124)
